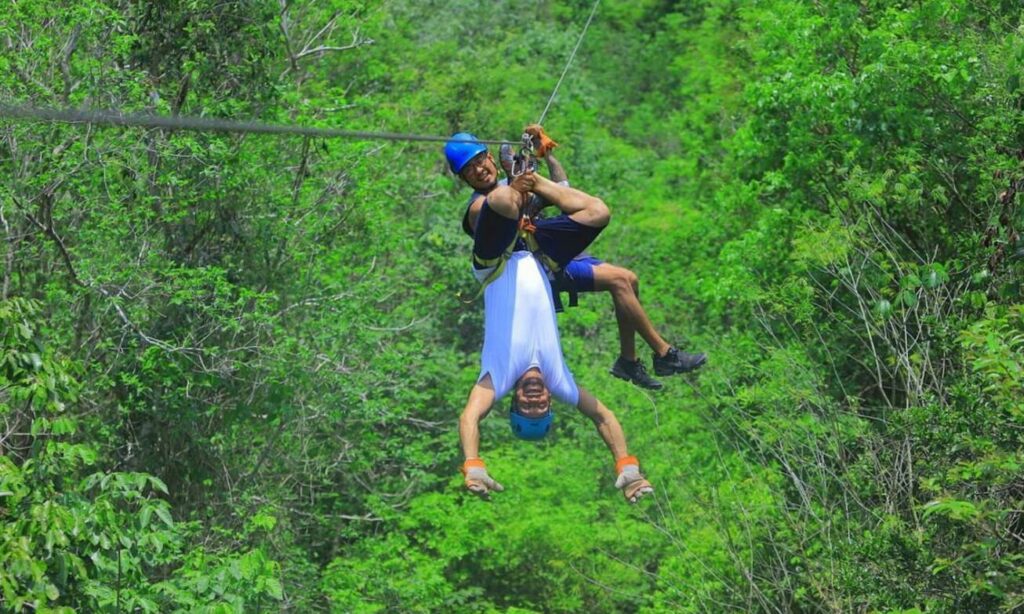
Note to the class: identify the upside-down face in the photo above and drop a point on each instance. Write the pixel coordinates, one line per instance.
(533, 399)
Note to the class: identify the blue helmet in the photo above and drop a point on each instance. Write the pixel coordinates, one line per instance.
(462, 148)
(529, 428)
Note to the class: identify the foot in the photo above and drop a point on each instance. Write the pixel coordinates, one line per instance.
(634, 371)
(677, 361)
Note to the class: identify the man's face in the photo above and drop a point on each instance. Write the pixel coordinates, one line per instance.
(532, 395)
(480, 172)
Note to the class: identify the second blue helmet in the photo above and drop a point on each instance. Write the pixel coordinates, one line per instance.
(530, 428)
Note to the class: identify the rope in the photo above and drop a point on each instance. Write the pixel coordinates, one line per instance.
(146, 120)
(567, 64)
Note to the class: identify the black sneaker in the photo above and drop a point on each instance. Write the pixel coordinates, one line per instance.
(676, 361)
(634, 371)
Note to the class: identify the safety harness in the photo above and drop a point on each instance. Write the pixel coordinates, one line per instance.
(535, 143)
(524, 234)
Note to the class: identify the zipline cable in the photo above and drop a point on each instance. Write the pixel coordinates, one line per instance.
(146, 120)
(569, 63)
(149, 120)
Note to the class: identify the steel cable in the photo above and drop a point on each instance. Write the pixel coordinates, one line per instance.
(208, 124)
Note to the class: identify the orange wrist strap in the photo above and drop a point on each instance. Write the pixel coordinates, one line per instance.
(625, 460)
(473, 463)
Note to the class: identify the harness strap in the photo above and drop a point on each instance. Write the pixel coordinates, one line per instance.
(556, 300)
(499, 266)
(526, 234)
(486, 262)
(526, 229)
(558, 286)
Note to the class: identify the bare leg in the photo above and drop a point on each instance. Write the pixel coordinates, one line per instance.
(580, 206)
(505, 201)
(624, 287)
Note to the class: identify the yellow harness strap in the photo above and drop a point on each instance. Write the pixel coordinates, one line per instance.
(534, 247)
(526, 234)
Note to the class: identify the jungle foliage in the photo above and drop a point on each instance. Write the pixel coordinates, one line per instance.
(231, 365)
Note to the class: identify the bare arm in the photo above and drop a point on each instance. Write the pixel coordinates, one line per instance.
(632, 483)
(481, 397)
(607, 424)
(555, 169)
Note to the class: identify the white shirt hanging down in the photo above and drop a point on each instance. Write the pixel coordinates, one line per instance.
(520, 331)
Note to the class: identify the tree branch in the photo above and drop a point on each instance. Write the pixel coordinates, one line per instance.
(65, 62)
(8, 256)
(357, 41)
(324, 49)
(50, 232)
(283, 25)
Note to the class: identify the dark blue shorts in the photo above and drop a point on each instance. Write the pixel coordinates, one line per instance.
(561, 238)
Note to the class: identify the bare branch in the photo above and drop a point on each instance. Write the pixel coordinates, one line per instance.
(8, 256)
(65, 62)
(284, 32)
(328, 26)
(397, 328)
(49, 231)
(357, 41)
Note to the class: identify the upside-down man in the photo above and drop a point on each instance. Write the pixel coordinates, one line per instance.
(472, 162)
(522, 352)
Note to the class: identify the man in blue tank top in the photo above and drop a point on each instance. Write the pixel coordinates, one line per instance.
(471, 161)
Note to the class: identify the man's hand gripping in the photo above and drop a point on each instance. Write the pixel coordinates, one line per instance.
(529, 203)
(477, 480)
(632, 483)
(524, 183)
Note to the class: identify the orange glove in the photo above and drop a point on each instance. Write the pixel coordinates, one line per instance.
(477, 480)
(542, 143)
(630, 480)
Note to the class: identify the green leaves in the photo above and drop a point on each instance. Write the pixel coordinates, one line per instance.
(271, 351)
(995, 346)
(951, 508)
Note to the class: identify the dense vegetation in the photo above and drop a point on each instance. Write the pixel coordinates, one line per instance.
(232, 364)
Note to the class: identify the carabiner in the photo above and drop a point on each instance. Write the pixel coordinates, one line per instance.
(523, 164)
(524, 161)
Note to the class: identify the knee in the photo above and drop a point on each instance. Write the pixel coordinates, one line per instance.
(504, 201)
(623, 282)
(600, 214)
(634, 282)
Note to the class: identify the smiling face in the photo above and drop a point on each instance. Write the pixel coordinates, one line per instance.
(533, 399)
(480, 173)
